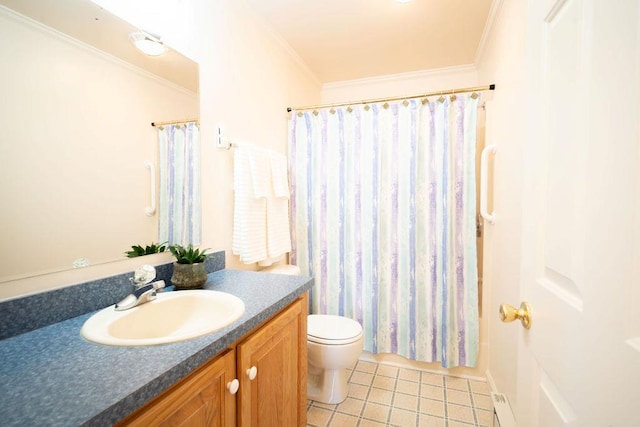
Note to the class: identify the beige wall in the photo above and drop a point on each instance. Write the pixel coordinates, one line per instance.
(247, 80)
(502, 62)
(75, 135)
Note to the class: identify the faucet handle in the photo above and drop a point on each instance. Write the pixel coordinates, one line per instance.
(143, 275)
(158, 284)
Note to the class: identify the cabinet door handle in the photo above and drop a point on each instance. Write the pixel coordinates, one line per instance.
(233, 386)
(252, 372)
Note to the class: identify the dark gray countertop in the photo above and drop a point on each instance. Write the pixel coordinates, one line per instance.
(53, 377)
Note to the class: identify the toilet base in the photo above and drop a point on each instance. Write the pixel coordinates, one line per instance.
(328, 386)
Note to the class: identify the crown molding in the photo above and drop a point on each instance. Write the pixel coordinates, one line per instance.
(435, 72)
(488, 27)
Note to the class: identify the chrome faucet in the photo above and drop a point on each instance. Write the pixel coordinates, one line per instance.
(141, 295)
(144, 291)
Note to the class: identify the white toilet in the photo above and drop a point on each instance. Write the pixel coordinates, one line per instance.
(334, 344)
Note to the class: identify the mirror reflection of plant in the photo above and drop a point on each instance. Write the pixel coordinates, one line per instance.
(189, 254)
(153, 248)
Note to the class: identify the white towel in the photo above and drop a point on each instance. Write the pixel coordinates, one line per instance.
(259, 168)
(261, 206)
(249, 216)
(278, 234)
(279, 178)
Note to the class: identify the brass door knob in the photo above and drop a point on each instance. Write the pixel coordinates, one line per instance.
(509, 313)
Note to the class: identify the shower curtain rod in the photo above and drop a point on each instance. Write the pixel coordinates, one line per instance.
(398, 98)
(175, 122)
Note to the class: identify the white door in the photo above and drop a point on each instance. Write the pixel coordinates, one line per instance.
(579, 364)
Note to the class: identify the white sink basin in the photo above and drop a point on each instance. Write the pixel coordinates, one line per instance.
(171, 317)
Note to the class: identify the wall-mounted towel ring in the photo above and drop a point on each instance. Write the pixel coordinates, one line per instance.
(151, 210)
(484, 194)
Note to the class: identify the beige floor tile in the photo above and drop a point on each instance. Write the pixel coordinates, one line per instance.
(318, 417)
(406, 401)
(376, 412)
(386, 383)
(408, 387)
(372, 423)
(460, 413)
(432, 392)
(368, 367)
(361, 378)
(358, 391)
(432, 407)
(387, 371)
(485, 418)
(378, 395)
(430, 421)
(409, 375)
(483, 402)
(459, 397)
(351, 406)
(432, 379)
(480, 387)
(324, 406)
(457, 383)
(453, 423)
(343, 420)
(403, 418)
(383, 395)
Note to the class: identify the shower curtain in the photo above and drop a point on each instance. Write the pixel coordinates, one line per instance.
(383, 216)
(179, 201)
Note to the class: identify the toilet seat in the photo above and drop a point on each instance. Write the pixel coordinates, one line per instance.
(332, 330)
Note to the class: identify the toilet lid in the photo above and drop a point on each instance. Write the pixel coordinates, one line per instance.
(330, 329)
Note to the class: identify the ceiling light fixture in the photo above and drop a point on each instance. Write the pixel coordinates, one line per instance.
(403, 1)
(149, 44)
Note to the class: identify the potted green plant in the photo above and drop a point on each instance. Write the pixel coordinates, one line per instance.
(189, 271)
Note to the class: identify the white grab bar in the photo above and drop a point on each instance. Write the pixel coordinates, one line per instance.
(151, 210)
(484, 164)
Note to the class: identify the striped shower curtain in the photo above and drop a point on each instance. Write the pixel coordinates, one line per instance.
(179, 201)
(383, 216)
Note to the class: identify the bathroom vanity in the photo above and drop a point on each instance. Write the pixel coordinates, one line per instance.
(52, 376)
(262, 377)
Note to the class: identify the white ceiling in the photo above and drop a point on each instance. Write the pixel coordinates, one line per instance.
(353, 39)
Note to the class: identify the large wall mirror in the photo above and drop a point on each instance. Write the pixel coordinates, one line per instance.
(76, 104)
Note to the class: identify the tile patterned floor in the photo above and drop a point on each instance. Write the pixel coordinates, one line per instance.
(383, 395)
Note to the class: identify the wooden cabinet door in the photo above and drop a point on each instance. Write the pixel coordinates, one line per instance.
(202, 399)
(277, 396)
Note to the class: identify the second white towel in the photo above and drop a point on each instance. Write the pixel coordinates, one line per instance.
(261, 205)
